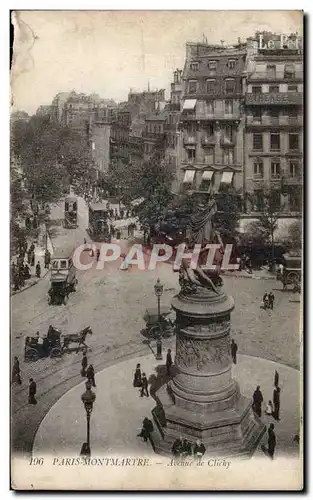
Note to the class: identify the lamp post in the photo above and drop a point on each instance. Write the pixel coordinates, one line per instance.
(88, 398)
(158, 290)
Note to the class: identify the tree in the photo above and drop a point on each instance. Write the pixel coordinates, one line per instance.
(293, 241)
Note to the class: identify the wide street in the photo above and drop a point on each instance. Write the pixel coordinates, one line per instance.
(113, 302)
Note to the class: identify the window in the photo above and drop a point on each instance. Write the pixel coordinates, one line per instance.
(257, 115)
(194, 66)
(271, 71)
(256, 89)
(55, 264)
(193, 86)
(228, 132)
(191, 154)
(275, 169)
(229, 86)
(289, 71)
(293, 113)
(228, 156)
(258, 142)
(210, 107)
(210, 86)
(63, 264)
(229, 107)
(258, 170)
(212, 65)
(273, 89)
(231, 64)
(275, 199)
(292, 88)
(293, 141)
(295, 200)
(275, 142)
(274, 113)
(209, 156)
(258, 200)
(294, 169)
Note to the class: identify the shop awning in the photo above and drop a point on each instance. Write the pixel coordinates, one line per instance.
(207, 175)
(189, 176)
(227, 177)
(189, 104)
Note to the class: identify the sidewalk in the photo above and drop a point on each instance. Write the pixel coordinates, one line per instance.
(39, 256)
(119, 410)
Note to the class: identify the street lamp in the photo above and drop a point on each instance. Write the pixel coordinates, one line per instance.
(88, 398)
(158, 290)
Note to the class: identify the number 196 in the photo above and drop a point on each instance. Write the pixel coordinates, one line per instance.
(36, 461)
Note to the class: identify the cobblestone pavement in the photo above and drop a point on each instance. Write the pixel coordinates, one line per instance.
(119, 410)
(113, 302)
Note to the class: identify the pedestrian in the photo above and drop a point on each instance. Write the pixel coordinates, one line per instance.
(271, 298)
(265, 300)
(147, 429)
(144, 386)
(257, 401)
(199, 449)
(32, 258)
(276, 401)
(97, 254)
(32, 392)
(276, 378)
(137, 382)
(169, 362)
(16, 372)
(177, 448)
(91, 375)
(187, 449)
(21, 278)
(234, 349)
(47, 259)
(38, 269)
(26, 272)
(29, 256)
(271, 441)
(269, 408)
(84, 365)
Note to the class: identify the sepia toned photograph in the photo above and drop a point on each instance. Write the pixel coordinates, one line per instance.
(156, 194)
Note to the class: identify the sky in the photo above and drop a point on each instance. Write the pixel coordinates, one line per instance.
(110, 52)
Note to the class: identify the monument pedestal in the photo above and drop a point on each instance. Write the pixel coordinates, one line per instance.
(202, 401)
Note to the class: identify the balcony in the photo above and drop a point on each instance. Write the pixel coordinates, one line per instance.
(271, 121)
(279, 98)
(208, 141)
(227, 141)
(190, 141)
(264, 76)
(206, 115)
(293, 181)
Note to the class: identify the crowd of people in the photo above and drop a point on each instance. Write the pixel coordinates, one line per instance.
(21, 269)
(182, 448)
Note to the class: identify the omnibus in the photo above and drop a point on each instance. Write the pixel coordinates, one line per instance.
(99, 229)
(70, 212)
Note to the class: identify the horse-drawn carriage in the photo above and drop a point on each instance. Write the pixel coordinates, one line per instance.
(159, 326)
(54, 344)
(290, 273)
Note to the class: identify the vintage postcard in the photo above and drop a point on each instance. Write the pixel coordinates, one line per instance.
(156, 250)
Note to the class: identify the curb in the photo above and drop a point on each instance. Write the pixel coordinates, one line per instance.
(35, 282)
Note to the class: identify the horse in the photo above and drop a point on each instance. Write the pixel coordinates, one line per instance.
(77, 338)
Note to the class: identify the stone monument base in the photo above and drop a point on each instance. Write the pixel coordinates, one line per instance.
(232, 432)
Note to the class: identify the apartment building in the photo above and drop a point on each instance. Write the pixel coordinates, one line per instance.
(273, 139)
(211, 119)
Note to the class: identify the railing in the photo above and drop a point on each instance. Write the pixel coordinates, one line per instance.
(293, 181)
(208, 141)
(227, 141)
(275, 98)
(190, 140)
(274, 121)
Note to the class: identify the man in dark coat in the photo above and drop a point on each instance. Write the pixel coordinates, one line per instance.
(16, 372)
(276, 378)
(144, 386)
(32, 392)
(32, 258)
(271, 298)
(177, 448)
(169, 362)
(271, 441)
(147, 429)
(91, 375)
(38, 270)
(84, 365)
(276, 402)
(199, 449)
(257, 401)
(47, 259)
(234, 349)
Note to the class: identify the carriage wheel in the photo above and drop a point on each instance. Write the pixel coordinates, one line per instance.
(65, 299)
(31, 354)
(55, 352)
(293, 278)
(155, 331)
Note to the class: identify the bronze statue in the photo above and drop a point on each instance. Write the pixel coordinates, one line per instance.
(201, 232)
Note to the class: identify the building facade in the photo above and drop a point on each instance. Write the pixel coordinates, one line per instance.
(274, 124)
(100, 132)
(211, 119)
